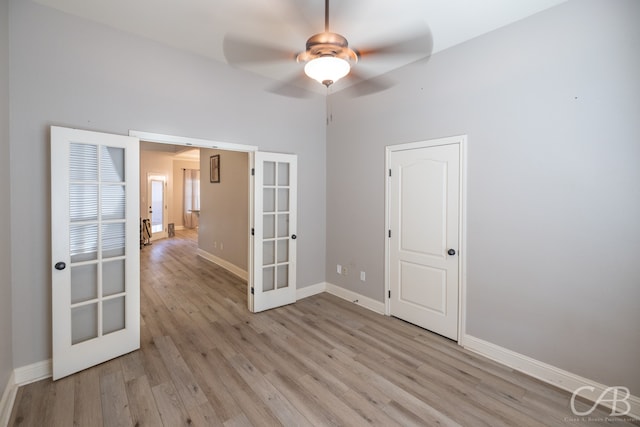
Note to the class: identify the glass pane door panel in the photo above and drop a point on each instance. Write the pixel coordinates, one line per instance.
(269, 226)
(283, 276)
(83, 202)
(112, 164)
(113, 239)
(269, 200)
(83, 242)
(283, 174)
(157, 206)
(84, 283)
(83, 162)
(268, 253)
(113, 277)
(283, 251)
(283, 199)
(113, 202)
(113, 318)
(84, 323)
(269, 173)
(283, 225)
(268, 280)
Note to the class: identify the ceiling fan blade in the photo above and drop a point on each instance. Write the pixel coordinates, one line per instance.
(239, 50)
(419, 42)
(363, 85)
(297, 86)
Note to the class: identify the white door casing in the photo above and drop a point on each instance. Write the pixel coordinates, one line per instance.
(273, 278)
(95, 248)
(424, 210)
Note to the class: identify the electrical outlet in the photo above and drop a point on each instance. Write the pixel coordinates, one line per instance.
(345, 271)
(362, 276)
(221, 246)
(339, 269)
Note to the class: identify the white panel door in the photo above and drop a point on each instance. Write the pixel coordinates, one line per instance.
(274, 230)
(424, 212)
(95, 248)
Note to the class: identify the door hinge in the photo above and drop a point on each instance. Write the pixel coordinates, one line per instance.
(389, 233)
(389, 294)
(253, 232)
(389, 172)
(253, 171)
(251, 291)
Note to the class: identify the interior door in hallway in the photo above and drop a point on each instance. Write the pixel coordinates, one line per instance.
(95, 268)
(424, 240)
(157, 198)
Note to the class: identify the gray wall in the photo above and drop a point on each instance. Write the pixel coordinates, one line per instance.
(6, 357)
(551, 106)
(72, 72)
(224, 207)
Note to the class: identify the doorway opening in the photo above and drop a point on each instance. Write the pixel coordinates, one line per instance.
(157, 195)
(220, 216)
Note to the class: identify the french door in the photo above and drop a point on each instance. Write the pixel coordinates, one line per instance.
(273, 275)
(95, 248)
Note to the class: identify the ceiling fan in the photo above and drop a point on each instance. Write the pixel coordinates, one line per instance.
(327, 56)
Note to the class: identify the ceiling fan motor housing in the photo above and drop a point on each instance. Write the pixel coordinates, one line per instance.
(327, 44)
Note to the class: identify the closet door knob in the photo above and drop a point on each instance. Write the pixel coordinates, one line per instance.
(60, 265)
(451, 252)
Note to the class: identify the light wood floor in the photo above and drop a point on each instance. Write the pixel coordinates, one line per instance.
(205, 360)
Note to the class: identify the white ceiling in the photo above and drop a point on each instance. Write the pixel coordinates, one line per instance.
(200, 26)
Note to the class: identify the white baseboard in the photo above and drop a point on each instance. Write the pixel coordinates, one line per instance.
(544, 372)
(224, 264)
(8, 397)
(356, 298)
(34, 372)
(309, 291)
(179, 227)
(19, 377)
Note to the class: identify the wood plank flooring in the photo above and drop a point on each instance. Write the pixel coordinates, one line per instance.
(206, 361)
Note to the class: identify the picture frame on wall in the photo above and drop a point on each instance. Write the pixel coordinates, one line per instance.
(214, 164)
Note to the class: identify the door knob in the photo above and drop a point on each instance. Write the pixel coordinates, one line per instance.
(60, 265)
(451, 251)
(294, 237)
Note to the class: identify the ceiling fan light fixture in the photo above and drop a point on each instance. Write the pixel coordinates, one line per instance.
(327, 69)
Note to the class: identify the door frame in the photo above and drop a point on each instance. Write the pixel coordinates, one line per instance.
(216, 145)
(461, 141)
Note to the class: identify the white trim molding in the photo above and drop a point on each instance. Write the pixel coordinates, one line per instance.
(309, 291)
(195, 142)
(19, 377)
(232, 268)
(545, 372)
(34, 372)
(340, 292)
(356, 298)
(8, 398)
